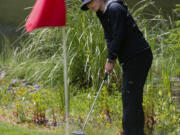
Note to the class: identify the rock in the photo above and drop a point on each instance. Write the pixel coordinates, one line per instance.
(176, 79)
(14, 81)
(28, 84)
(9, 88)
(36, 87)
(23, 81)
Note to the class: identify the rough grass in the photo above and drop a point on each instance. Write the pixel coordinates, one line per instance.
(10, 129)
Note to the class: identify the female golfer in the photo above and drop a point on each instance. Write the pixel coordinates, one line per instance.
(125, 42)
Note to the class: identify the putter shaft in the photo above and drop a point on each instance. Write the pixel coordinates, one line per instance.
(93, 105)
(82, 133)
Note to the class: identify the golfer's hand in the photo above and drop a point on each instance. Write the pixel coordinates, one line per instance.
(109, 66)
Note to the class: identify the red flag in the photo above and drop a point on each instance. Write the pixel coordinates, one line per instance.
(46, 13)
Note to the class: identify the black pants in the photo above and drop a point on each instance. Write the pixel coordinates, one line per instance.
(135, 73)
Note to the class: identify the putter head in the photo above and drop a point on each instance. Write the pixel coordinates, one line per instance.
(78, 133)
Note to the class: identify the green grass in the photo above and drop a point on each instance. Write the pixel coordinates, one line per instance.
(9, 129)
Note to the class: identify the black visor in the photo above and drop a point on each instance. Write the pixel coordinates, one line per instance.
(84, 4)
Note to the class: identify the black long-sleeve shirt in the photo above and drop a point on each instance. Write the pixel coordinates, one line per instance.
(122, 35)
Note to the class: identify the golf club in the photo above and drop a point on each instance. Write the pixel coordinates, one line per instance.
(82, 132)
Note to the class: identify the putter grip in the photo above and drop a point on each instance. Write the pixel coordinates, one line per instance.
(106, 75)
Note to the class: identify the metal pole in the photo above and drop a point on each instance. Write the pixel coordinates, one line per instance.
(65, 80)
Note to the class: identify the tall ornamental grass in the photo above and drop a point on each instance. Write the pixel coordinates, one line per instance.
(40, 58)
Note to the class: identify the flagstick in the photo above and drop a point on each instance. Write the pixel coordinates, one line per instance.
(65, 80)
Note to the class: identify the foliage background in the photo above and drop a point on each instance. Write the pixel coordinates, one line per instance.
(38, 59)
